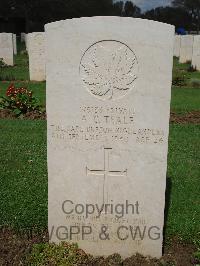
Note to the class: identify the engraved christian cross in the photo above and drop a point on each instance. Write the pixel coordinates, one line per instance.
(105, 173)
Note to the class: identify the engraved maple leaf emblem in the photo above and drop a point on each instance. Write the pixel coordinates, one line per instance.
(109, 69)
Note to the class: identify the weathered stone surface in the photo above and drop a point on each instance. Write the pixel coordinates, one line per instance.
(177, 45)
(27, 41)
(6, 48)
(23, 36)
(196, 52)
(14, 44)
(186, 48)
(36, 51)
(108, 105)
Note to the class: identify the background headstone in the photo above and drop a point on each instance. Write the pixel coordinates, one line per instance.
(177, 45)
(6, 48)
(27, 37)
(108, 106)
(196, 52)
(23, 36)
(27, 41)
(14, 44)
(36, 52)
(186, 48)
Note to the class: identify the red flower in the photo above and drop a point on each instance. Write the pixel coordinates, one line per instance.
(10, 90)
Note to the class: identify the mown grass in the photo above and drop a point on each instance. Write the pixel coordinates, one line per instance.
(23, 174)
(183, 68)
(183, 172)
(19, 75)
(23, 182)
(185, 100)
(20, 70)
(23, 161)
(186, 95)
(184, 77)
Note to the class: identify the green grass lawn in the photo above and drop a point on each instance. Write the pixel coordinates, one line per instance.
(183, 171)
(23, 182)
(183, 68)
(185, 100)
(23, 160)
(17, 72)
(20, 70)
(23, 168)
(19, 75)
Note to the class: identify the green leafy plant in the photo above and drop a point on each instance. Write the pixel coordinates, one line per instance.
(19, 100)
(52, 254)
(2, 64)
(179, 80)
(197, 253)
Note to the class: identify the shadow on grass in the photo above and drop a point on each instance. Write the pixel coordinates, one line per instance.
(167, 204)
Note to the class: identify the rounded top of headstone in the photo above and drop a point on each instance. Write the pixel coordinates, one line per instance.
(148, 23)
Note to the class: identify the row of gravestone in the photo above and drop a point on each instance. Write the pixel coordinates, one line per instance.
(8, 48)
(108, 106)
(35, 46)
(187, 48)
(36, 52)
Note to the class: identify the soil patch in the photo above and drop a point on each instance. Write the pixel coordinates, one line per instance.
(14, 247)
(189, 118)
(33, 115)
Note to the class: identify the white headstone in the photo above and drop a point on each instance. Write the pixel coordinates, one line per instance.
(177, 45)
(27, 41)
(196, 52)
(108, 106)
(15, 44)
(36, 52)
(23, 36)
(6, 48)
(186, 48)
